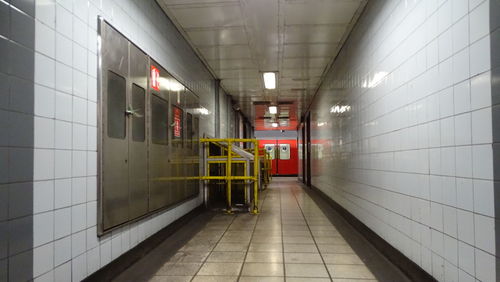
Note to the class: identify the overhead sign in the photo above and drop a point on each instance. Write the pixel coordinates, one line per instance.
(155, 78)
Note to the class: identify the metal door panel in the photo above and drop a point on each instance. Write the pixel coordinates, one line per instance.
(192, 107)
(160, 194)
(189, 104)
(177, 148)
(138, 154)
(114, 166)
(196, 169)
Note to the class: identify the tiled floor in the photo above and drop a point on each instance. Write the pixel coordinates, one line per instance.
(291, 239)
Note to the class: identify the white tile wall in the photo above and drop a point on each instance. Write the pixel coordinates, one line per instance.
(429, 118)
(65, 168)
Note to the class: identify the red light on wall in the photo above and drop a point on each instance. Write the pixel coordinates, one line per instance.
(177, 122)
(155, 78)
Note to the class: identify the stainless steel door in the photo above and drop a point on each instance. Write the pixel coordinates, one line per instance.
(137, 145)
(114, 156)
(159, 164)
(145, 153)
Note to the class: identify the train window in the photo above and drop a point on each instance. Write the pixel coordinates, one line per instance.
(116, 106)
(138, 119)
(189, 129)
(284, 152)
(159, 120)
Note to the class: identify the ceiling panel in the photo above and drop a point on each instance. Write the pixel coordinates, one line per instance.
(302, 73)
(239, 73)
(220, 36)
(314, 34)
(232, 64)
(309, 80)
(305, 63)
(209, 16)
(226, 52)
(309, 50)
(246, 81)
(188, 2)
(240, 39)
(320, 11)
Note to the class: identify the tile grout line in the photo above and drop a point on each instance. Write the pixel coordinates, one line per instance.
(210, 252)
(309, 228)
(251, 237)
(282, 237)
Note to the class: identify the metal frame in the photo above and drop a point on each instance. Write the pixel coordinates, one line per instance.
(100, 133)
(229, 177)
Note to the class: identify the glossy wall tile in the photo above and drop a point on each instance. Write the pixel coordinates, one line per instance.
(17, 122)
(66, 246)
(402, 132)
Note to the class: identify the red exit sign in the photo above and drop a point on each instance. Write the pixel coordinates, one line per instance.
(177, 122)
(155, 78)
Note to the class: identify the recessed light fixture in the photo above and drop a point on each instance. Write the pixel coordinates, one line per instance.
(274, 124)
(269, 80)
(273, 110)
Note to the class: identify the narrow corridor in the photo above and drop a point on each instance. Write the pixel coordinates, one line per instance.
(291, 239)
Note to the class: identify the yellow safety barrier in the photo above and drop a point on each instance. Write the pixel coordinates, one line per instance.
(229, 161)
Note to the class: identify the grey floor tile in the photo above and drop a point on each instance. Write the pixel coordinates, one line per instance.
(335, 249)
(342, 259)
(330, 240)
(300, 248)
(179, 269)
(295, 228)
(215, 279)
(261, 279)
(189, 257)
(305, 270)
(238, 234)
(220, 268)
(353, 280)
(170, 279)
(270, 233)
(298, 239)
(262, 269)
(264, 257)
(330, 228)
(350, 271)
(263, 247)
(296, 233)
(307, 279)
(324, 233)
(303, 258)
(196, 248)
(226, 257)
(231, 247)
(266, 239)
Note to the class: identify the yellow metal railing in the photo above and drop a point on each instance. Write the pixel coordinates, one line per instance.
(229, 161)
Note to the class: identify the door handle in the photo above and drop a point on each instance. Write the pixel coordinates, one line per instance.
(131, 112)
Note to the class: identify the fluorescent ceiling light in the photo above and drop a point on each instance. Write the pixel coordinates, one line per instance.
(273, 110)
(339, 109)
(170, 84)
(269, 80)
(375, 80)
(274, 124)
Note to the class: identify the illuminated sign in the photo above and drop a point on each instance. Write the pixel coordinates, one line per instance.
(177, 122)
(155, 78)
